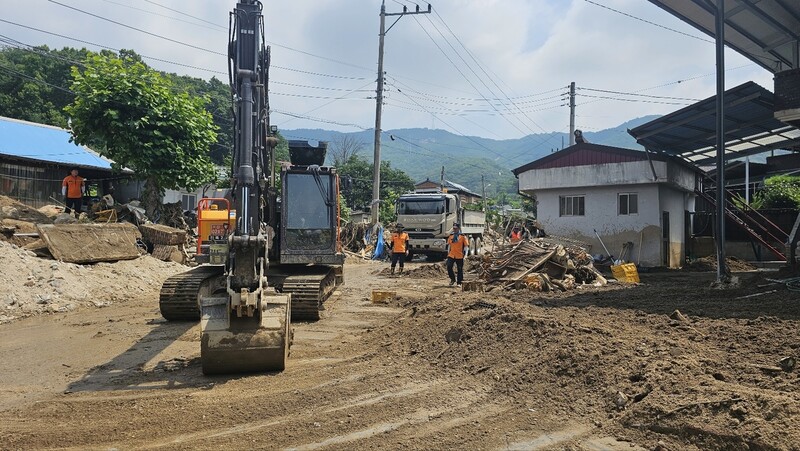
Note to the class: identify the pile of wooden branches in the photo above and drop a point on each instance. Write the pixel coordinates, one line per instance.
(540, 266)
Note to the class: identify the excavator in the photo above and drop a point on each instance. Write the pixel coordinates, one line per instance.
(270, 253)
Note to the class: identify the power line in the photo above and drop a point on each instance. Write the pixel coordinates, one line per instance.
(622, 99)
(111, 48)
(23, 75)
(638, 95)
(218, 27)
(480, 66)
(460, 71)
(649, 22)
(492, 79)
(342, 77)
(183, 13)
(138, 29)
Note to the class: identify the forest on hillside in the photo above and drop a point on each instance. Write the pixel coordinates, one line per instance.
(35, 86)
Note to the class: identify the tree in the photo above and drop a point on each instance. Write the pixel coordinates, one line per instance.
(344, 147)
(33, 84)
(130, 114)
(357, 173)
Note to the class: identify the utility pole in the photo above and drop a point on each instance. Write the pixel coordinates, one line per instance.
(571, 113)
(441, 181)
(376, 172)
(723, 274)
(483, 186)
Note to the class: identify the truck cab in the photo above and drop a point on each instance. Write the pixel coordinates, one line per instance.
(428, 218)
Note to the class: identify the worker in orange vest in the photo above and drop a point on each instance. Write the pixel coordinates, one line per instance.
(516, 234)
(399, 246)
(73, 188)
(457, 248)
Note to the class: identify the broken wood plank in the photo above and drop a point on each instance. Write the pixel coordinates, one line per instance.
(91, 243)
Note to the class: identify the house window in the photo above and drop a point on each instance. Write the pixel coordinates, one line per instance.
(571, 206)
(628, 204)
(188, 202)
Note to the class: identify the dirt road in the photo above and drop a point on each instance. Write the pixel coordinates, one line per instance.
(600, 369)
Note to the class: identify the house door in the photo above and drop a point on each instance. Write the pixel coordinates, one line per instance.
(665, 238)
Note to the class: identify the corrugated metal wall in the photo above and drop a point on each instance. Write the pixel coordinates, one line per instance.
(38, 184)
(30, 184)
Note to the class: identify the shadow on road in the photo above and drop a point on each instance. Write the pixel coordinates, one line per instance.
(138, 367)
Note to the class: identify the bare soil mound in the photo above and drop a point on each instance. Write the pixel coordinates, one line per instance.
(710, 264)
(32, 285)
(11, 209)
(706, 379)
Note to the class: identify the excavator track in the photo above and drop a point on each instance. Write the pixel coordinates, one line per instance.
(308, 292)
(180, 294)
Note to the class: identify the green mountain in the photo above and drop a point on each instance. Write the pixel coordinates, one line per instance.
(422, 152)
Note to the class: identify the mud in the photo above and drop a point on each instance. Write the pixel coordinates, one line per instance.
(610, 368)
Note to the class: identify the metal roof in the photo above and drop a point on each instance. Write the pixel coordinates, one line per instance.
(765, 31)
(40, 142)
(584, 154)
(750, 127)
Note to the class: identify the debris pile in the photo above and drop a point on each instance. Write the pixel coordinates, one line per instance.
(538, 266)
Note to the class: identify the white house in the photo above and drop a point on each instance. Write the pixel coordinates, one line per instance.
(621, 193)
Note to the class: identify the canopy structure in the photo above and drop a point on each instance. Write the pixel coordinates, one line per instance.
(750, 128)
(765, 31)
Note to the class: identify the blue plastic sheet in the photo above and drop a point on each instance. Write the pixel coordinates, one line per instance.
(379, 246)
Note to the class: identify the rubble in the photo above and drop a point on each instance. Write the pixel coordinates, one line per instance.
(33, 285)
(91, 243)
(538, 265)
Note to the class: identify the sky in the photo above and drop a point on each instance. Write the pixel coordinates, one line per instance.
(498, 69)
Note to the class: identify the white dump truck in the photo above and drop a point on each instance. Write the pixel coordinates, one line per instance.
(428, 219)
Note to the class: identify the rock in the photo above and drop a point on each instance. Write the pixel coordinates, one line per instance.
(621, 400)
(787, 363)
(43, 298)
(10, 300)
(678, 316)
(453, 335)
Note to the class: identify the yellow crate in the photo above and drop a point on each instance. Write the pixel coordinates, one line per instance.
(379, 296)
(625, 273)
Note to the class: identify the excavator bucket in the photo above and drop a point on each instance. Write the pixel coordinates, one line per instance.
(232, 344)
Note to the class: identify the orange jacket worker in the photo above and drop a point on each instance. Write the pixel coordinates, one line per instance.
(399, 245)
(72, 188)
(516, 235)
(457, 245)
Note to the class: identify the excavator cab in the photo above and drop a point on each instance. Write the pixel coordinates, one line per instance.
(310, 208)
(309, 251)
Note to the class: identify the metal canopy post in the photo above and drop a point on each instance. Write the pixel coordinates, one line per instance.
(723, 275)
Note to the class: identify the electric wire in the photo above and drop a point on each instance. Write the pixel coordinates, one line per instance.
(492, 79)
(149, 33)
(649, 22)
(463, 75)
(218, 27)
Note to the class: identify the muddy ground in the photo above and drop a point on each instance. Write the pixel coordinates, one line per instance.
(612, 368)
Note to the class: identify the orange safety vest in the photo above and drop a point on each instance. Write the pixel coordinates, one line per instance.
(457, 248)
(399, 242)
(74, 185)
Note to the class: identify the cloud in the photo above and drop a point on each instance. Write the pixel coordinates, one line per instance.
(523, 47)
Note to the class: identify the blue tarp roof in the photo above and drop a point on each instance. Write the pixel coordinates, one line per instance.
(45, 143)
